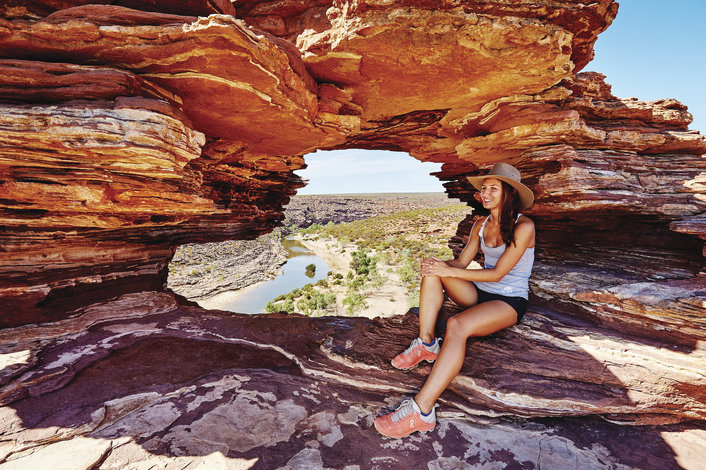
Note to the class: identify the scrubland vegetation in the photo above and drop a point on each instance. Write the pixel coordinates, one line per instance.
(383, 249)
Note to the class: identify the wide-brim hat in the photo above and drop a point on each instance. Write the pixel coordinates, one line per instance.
(509, 174)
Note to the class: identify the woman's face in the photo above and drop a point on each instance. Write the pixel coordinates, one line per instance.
(491, 193)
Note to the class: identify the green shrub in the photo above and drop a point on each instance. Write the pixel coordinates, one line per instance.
(275, 307)
(361, 263)
(317, 303)
(354, 303)
(313, 228)
(408, 271)
(357, 283)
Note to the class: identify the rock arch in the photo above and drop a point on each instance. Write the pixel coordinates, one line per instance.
(143, 128)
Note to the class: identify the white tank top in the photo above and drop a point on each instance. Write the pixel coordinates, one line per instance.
(516, 282)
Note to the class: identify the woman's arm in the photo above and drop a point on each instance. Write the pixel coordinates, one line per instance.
(469, 251)
(467, 255)
(524, 234)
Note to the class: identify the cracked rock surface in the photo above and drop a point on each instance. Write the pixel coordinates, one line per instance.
(145, 381)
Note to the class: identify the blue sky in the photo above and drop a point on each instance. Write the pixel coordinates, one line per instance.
(653, 50)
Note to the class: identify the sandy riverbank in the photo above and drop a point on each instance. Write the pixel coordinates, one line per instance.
(222, 300)
(337, 256)
(388, 300)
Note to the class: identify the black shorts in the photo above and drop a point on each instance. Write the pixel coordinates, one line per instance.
(518, 303)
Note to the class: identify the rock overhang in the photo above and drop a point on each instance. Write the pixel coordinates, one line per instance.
(242, 95)
(226, 75)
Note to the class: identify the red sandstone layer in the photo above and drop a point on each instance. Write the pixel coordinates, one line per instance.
(128, 129)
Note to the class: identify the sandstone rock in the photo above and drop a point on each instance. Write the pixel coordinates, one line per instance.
(209, 63)
(42, 82)
(77, 453)
(200, 271)
(432, 47)
(130, 128)
(144, 379)
(42, 8)
(583, 20)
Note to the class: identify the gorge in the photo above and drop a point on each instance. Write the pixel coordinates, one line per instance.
(130, 127)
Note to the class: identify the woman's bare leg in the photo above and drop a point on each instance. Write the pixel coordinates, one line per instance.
(431, 296)
(479, 320)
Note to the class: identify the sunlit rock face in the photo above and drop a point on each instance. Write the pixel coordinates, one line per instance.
(144, 381)
(621, 197)
(130, 128)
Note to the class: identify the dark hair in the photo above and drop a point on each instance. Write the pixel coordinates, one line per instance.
(509, 208)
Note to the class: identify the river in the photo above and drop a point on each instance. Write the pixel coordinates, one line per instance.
(292, 276)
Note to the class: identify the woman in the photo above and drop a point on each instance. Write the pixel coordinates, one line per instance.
(495, 296)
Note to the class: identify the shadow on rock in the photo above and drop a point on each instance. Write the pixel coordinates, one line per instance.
(146, 381)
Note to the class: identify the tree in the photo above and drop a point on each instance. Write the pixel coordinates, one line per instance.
(310, 270)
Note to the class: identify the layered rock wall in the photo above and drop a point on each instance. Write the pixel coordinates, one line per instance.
(620, 196)
(143, 380)
(137, 126)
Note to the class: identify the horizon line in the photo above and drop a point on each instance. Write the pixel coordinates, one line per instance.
(373, 192)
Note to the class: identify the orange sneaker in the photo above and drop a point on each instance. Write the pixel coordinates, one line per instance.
(405, 420)
(416, 353)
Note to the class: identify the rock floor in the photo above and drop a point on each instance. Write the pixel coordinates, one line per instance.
(145, 382)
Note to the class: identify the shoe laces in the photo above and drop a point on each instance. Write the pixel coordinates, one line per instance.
(415, 343)
(405, 409)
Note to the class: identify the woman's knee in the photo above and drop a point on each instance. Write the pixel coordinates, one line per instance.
(432, 283)
(456, 329)
(431, 279)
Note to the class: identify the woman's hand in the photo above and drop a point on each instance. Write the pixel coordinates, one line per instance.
(435, 267)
